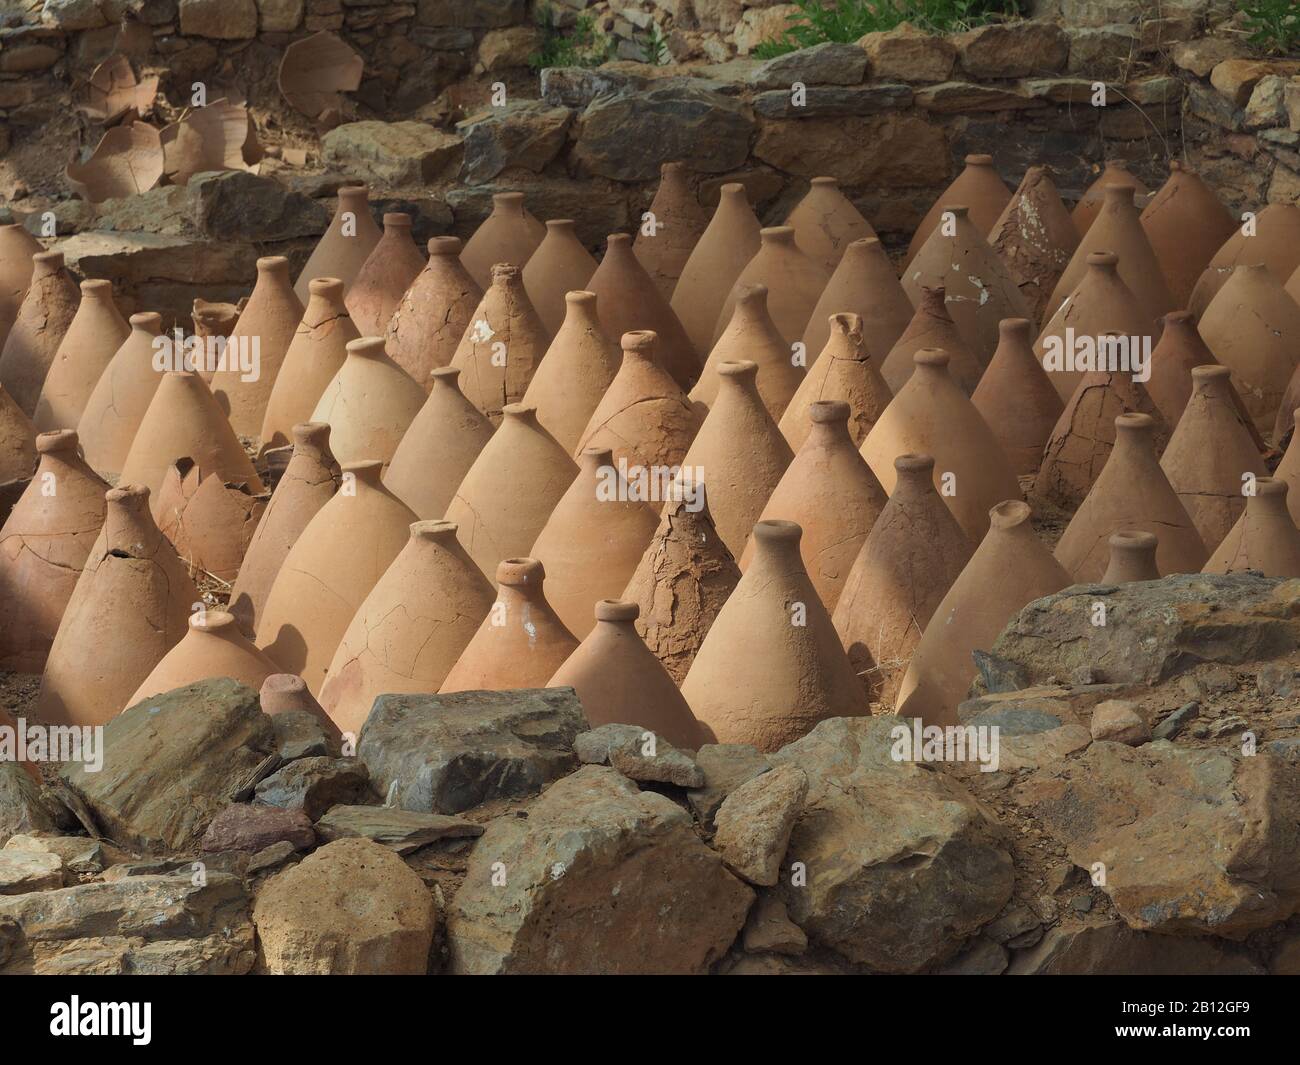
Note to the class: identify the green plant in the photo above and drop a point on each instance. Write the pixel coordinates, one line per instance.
(583, 47)
(1274, 25)
(654, 46)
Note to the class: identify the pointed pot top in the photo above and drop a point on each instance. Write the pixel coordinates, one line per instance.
(96, 288)
(436, 531)
(777, 235)
(1009, 514)
(622, 611)
(365, 347)
(1120, 194)
(741, 372)
(273, 266)
(581, 300)
(521, 573)
(215, 622)
(506, 275)
(595, 457)
(353, 196)
(445, 246)
(45, 263)
(56, 442)
(1106, 261)
(366, 471)
(397, 220)
(778, 537)
(524, 413)
(640, 343)
(146, 322)
(979, 160)
(508, 201)
(563, 225)
(327, 288)
(311, 435)
(829, 411)
(1016, 330)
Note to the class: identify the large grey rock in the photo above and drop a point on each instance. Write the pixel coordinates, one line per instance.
(250, 828)
(313, 785)
(402, 830)
(528, 135)
(237, 205)
(754, 824)
(726, 766)
(823, 64)
(638, 755)
(23, 871)
(79, 854)
(578, 86)
(394, 153)
(23, 809)
(829, 100)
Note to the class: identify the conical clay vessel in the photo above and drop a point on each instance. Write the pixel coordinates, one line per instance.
(932, 327)
(751, 334)
(666, 240)
(213, 647)
(825, 223)
(17, 441)
(1272, 237)
(1265, 537)
(1008, 570)
(209, 520)
(772, 666)
(979, 186)
(864, 283)
(387, 273)
(794, 283)
(120, 397)
(1132, 558)
(96, 332)
(846, 370)
(369, 404)
(510, 234)
(1179, 351)
(1186, 224)
(346, 244)
(285, 693)
(618, 680)
(43, 318)
(432, 316)
(1035, 238)
(17, 247)
(411, 628)
(559, 266)
(910, 558)
(1115, 172)
(1016, 398)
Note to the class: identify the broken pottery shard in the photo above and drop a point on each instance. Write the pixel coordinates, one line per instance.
(217, 137)
(127, 161)
(315, 70)
(114, 91)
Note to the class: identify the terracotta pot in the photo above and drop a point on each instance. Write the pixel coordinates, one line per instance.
(1172, 360)
(619, 681)
(1186, 224)
(210, 521)
(559, 266)
(846, 370)
(43, 318)
(644, 416)
(308, 483)
(17, 441)
(1115, 172)
(502, 346)
(521, 643)
(728, 244)
(794, 284)
(213, 321)
(434, 313)
(739, 453)
(120, 397)
(772, 666)
(1132, 558)
(864, 283)
(96, 332)
(326, 568)
(1016, 398)
(17, 247)
(678, 223)
(932, 416)
(593, 540)
(504, 501)
(575, 372)
(213, 647)
(369, 404)
(411, 628)
(1131, 492)
(1273, 238)
(978, 186)
(377, 291)
(43, 547)
(978, 288)
(1010, 569)
(682, 580)
(1035, 238)
(346, 245)
(286, 693)
(438, 449)
(907, 563)
(831, 493)
(752, 335)
(825, 223)
(130, 607)
(1265, 537)
(510, 234)
(1289, 470)
(269, 323)
(932, 327)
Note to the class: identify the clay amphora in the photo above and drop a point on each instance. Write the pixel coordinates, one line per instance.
(434, 313)
(846, 370)
(1008, 570)
(387, 273)
(1253, 327)
(644, 416)
(978, 186)
(213, 647)
(1101, 304)
(1035, 238)
(1016, 398)
(932, 327)
(794, 283)
(831, 493)
(120, 397)
(1180, 349)
(285, 693)
(739, 453)
(44, 316)
(308, 483)
(772, 666)
(559, 266)
(978, 288)
(502, 346)
(593, 540)
(503, 502)
(679, 221)
(345, 245)
(1186, 224)
(575, 372)
(1289, 470)
(1210, 454)
(411, 628)
(316, 353)
(1115, 172)
(619, 681)
(751, 334)
(1131, 492)
(1132, 558)
(369, 404)
(728, 244)
(333, 565)
(130, 607)
(907, 563)
(210, 521)
(932, 416)
(510, 234)
(627, 300)
(17, 441)
(1272, 237)
(17, 247)
(213, 321)
(682, 580)
(43, 546)
(268, 324)
(96, 332)
(825, 223)
(864, 283)
(1265, 537)
(521, 642)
